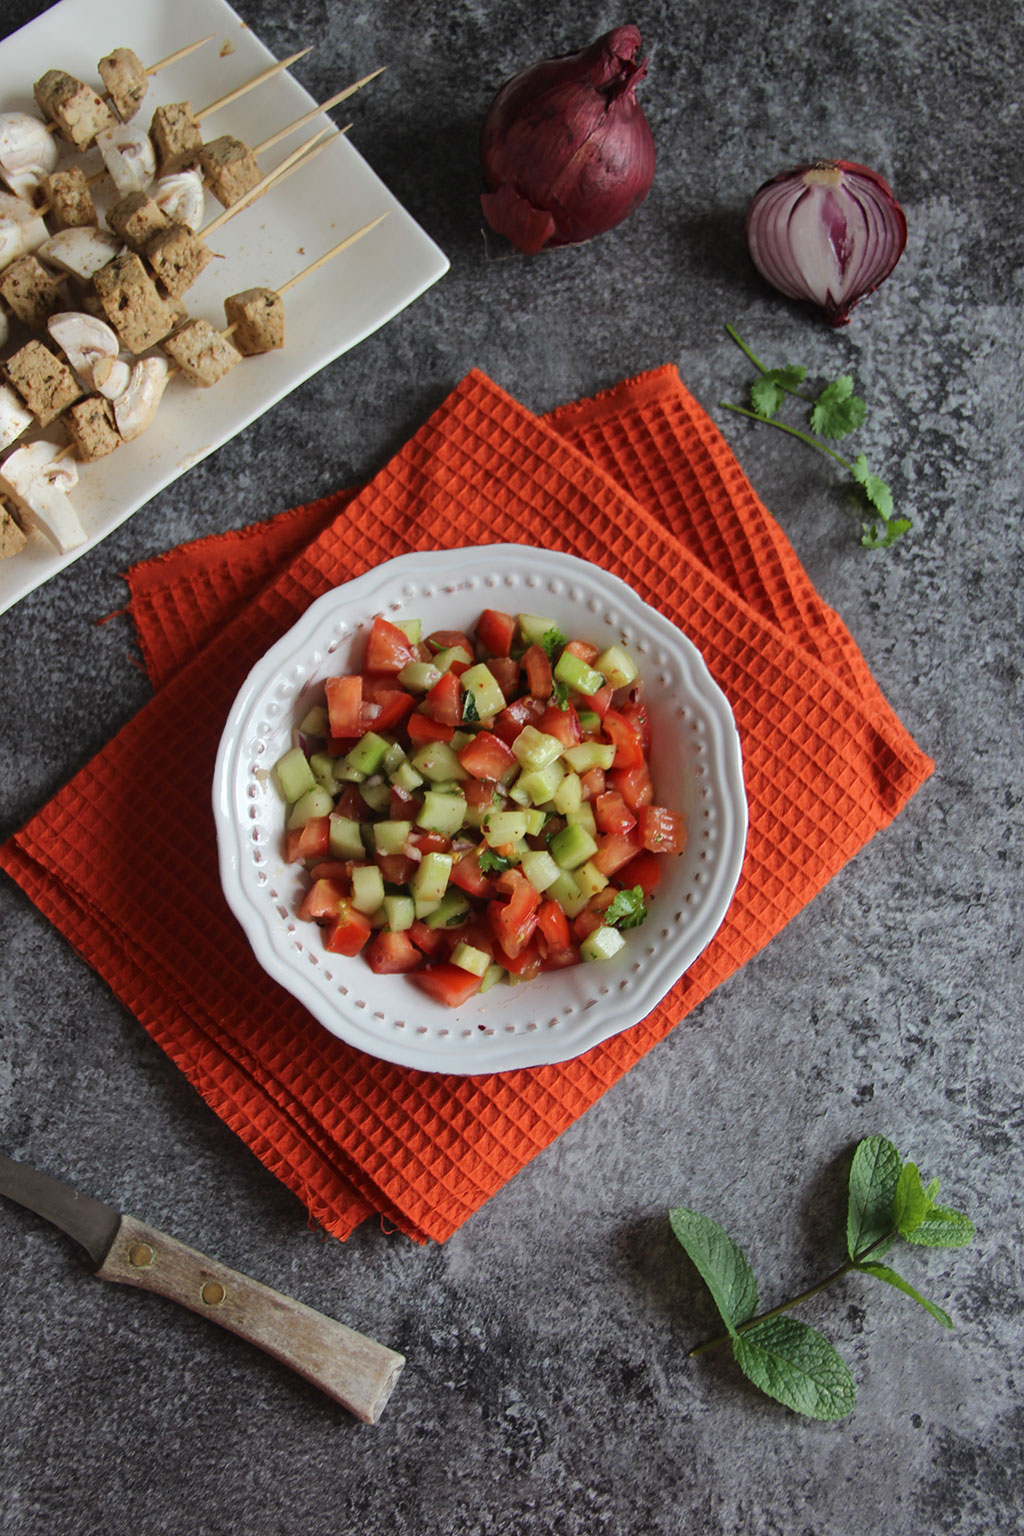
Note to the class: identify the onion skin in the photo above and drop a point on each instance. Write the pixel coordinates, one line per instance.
(827, 233)
(565, 149)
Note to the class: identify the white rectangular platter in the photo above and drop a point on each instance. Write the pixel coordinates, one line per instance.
(283, 232)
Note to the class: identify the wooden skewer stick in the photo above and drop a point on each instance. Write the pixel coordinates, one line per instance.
(182, 53)
(325, 106)
(250, 85)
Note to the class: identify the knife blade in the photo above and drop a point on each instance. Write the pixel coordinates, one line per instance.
(354, 1370)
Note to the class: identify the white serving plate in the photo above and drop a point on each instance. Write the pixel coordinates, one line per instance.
(695, 763)
(282, 233)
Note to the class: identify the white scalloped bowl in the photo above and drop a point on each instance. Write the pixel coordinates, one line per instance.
(695, 762)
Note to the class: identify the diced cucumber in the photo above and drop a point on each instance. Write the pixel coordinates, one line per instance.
(487, 695)
(459, 740)
(376, 796)
(390, 836)
(590, 754)
(535, 821)
(583, 816)
(315, 802)
(590, 879)
(451, 911)
(322, 764)
(315, 722)
(567, 893)
(602, 944)
(367, 888)
(442, 813)
(406, 777)
(419, 676)
(436, 761)
(431, 878)
(345, 838)
(393, 759)
(294, 775)
(572, 846)
(539, 784)
(468, 958)
(577, 674)
(491, 977)
(400, 911)
(424, 906)
(616, 666)
(412, 629)
(346, 774)
(540, 869)
(535, 749)
(568, 796)
(504, 827)
(589, 720)
(368, 753)
(378, 919)
(443, 659)
(533, 628)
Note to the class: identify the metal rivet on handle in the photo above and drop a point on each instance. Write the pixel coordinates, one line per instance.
(213, 1293)
(141, 1255)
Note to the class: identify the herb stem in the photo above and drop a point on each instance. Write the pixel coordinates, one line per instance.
(805, 437)
(794, 1301)
(738, 339)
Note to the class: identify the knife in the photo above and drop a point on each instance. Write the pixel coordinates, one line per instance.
(356, 1371)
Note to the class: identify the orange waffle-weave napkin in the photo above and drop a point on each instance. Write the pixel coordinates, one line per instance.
(123, 859)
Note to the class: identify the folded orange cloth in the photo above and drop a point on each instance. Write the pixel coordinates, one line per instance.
(123, 859)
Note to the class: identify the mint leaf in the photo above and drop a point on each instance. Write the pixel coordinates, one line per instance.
(910, 1204)
(493, 863)
(627, 910)
(552, 641)
(931, 1192)
(837, 409)
(719, 1263)
(873, 1178)
(942, 1228)
(883, 1272)
(797, 1366)
(768, 392)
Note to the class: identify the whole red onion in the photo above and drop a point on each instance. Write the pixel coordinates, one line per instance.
(828, 233)
(565, 148)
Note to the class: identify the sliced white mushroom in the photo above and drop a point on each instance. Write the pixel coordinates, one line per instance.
(15, 417)
(180, 196)
(111, 376)
(84, 340)
(39, 489)
(135, 409)
(27, 151)
(5, 329)
(80, 251)
(21, 228)
(129, 157)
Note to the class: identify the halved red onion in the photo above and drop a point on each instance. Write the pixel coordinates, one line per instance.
(826, 233)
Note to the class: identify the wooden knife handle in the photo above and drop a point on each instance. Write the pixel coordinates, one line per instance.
(356, 1371)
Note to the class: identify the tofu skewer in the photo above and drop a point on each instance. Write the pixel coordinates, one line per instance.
(75, 111)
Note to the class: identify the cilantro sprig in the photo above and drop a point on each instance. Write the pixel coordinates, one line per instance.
(627, 910)
(552, 641)
(835, 412)
(492, 863)
(785, 1358)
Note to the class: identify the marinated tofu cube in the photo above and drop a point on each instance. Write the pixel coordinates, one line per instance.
(33, 293)
(136, 219)
(90, 425)
(177, 256)
(124, 75)
(46, 385)
(71, 204)
(133, 303)
(12, 535)
(73, 106)
(257, 315)
(176, 136)
(202, 353)
(230, 169)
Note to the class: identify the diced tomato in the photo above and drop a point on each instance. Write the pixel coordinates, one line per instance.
(444, 700)
(560, 959)
(584, 923)
(344, 706)
(538, 672)
(553, 924)
(395, 867)
(446, 639)
(526, 964)
(476, 932)
(429, 842)
(629, 751)
(309, 841)
(333, 869)
(612, 814)
(645, 871)
(600, 702)
(480, 792)
(505, 672)
(614, 849)
(321, 900)
(349, 931)
(514, 920)
(469, 877)
(592, 783)
(427, 940)
(392, 710)
(390, 953)
(633, 784)
(487, 756)
(637, 714)
(423, 728)
(562, 724)
(584, 650)
(388, 649)
(402, 804)
(496, 631)
(661, 830)
(515, 715)
(447, 983)
(350, 803)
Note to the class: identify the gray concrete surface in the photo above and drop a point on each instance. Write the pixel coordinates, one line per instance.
(548, 1387)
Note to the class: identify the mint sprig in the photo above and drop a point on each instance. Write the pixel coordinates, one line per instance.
(835, 412)
(786, 1359)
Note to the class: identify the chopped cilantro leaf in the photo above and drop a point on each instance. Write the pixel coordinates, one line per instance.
(492, 863)
(469, 709)
(552, 641)
(560, 694)
(627, 910)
